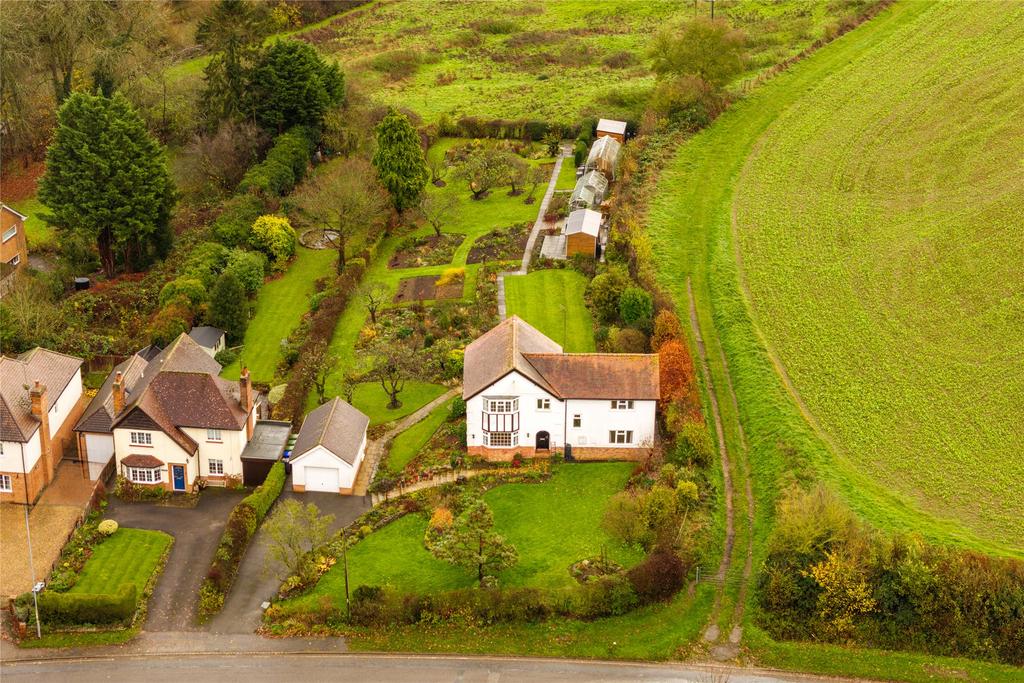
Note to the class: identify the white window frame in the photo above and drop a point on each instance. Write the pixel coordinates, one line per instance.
(10, 232)
(214, 435)
(141, 438)
(146, 475)
(216, 466)
(622, 404)
(507, 439)
(505, 405)
(577, 421)
(543, 404)
(620, 436)
(15, 261)
(6, 484)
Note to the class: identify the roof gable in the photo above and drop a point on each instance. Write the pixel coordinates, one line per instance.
(53, 370)
(336, 426)
(499, 351)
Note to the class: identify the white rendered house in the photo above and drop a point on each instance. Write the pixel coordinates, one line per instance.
(524, 395)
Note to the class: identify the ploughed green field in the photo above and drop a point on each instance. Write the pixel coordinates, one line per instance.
(552, 301)
(552, 525)
(879, 227)
(886, 292)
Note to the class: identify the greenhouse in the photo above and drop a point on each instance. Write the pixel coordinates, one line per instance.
(604, 156)
(591, 189)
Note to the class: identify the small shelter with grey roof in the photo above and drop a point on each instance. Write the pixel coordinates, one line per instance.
(591, 190)
(583, 233)
(604, 156)
(611, 128)
(212, 339)
(330, 449)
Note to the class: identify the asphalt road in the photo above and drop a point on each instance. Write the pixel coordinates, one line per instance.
(375, 668)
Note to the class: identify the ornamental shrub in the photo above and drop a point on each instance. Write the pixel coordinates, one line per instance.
(659, 576)
(275, 237)
(628, 340)
(205, 262)
(604, 292)
(284, 167)
(233, 226)
(636, 308)
(458, 408)
(107, 527)
(249, 267)
(187, 291)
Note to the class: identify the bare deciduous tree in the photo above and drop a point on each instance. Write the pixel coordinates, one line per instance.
(437, 208)
(374, 295)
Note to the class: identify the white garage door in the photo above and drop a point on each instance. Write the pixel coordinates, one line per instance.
(322, 479)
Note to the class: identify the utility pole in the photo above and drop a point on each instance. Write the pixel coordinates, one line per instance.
(344, 560)
(712, 10)
(36, 585)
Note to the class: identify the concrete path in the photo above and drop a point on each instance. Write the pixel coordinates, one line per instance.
(196, 534)
(538, 225)
(378, 448)
(255, 583)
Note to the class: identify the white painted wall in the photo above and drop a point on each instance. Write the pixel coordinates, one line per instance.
(10, 461)
(319, 456)
(597, 417)
(164, 448)
(62, 404)
(99, 448)
(229, 450)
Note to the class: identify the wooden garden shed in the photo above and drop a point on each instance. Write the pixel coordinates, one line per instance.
(613, 129)
(582, 233)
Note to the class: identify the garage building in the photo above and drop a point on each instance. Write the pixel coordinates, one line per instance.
(329, 449)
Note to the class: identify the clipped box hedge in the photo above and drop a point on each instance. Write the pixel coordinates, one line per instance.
(284, 167)
(72, 609)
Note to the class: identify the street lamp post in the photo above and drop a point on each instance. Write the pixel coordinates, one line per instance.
(36, 586)
(35, 599)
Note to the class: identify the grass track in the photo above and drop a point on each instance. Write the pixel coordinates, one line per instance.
(407, 445)
(370, 398)
(538, 298)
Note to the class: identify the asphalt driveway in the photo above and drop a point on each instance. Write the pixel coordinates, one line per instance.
(196, 533)
(255, 583)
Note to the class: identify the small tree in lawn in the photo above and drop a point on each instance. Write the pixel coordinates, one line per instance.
(537, 176)
(393, 364)
(374, 295)
(436, 208)
(318, 363)
(438, 167)
(293, 530)
(485, 168)
(399, 160)
(229, 307)
(345, 197)
(473, 544)
(516, 174)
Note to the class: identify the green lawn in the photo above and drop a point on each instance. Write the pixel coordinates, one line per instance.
(552, 525)
(129, 556)
(39, 233)
(370, 398)
(280, 305)
(552, 301)
(567, 175)
(407, 445)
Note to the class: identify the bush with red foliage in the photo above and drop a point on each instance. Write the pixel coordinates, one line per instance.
(659, 576)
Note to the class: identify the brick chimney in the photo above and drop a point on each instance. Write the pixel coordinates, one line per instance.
(118, 393)
(245, 400)
(41, 411)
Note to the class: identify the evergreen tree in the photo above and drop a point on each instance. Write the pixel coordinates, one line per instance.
(228, 307)
(106, 180)
(292, 85)
(232, 32)
(399, 160)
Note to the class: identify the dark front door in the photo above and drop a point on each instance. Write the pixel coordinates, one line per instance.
(178, 477)
(543, 441)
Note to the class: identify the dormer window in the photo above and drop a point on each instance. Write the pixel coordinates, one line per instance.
(501, 405)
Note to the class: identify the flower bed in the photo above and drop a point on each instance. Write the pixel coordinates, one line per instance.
(431, 250)
(504, 244)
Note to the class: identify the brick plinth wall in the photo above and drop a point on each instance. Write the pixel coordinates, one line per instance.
(578, 452)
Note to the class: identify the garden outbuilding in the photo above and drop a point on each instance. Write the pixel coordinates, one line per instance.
(330, 449)
(613, 129)
(582, 233)
(604, 156)
(591, 189)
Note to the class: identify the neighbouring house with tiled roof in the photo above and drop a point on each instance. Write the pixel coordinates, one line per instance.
(329, 449)
(212, 339)
(170, 419)
(40, 400)
(13, 246)
(525, 395)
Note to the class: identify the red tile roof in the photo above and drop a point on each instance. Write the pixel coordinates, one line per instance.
(142, 461)
(600, 375)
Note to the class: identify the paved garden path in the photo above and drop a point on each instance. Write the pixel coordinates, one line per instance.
(377, 448)
(538, 225)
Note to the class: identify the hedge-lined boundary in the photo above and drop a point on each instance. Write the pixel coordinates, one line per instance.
(73, 609)
(320, 330)
(244, 520)
(284, 167)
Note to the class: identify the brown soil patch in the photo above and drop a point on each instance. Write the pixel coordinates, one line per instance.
(422, 288)
(19, 180)
(432, 250)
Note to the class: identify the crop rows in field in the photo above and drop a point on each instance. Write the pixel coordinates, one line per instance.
(878, 226)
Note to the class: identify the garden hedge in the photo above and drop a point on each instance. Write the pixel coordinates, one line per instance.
(244, 520)
(73, 609)
(284, 167)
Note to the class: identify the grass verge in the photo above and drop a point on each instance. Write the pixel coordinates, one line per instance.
(552, 301)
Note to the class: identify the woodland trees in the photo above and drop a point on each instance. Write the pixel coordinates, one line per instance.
(399, 160)
(106, 179)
